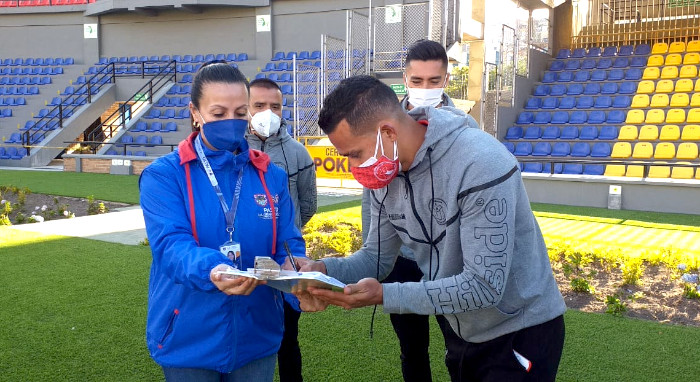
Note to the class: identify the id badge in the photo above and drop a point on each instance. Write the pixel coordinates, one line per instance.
(232, 250)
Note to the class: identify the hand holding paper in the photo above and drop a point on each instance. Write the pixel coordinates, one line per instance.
(366, 292)
(232, 285)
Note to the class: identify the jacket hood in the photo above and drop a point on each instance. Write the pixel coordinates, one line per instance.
(187, 153)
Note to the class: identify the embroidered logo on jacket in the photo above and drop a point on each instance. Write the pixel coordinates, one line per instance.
(439, 210)
(260, 199)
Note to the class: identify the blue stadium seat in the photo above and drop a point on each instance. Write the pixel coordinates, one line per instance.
(199, 58)
(139, 127)
(533, 132)
(581, 149)
(273, 77)
(153, 114)
(584, 102)
(524, 118)
(604, 63)
(535, 167)
(578, 117)
(569, 132)
(155, 140)
(588, 64)
(593, 169)
(141, 140)
(549, 77)
(588, 133)
(563, 54)
(608, 132)
(183, 114)
(597, 117)
(154, 127)
(523, 149)
(572, 65)
(138, 153)
(542, 149)
(638, 62)
(514, 132)
(278, 56)
(633, 74)
(550, 103)
(616, 116)
(599, 75)
(561, 149)
(287, 77)
(551, 132)
(601, 150)
(622, 102)
(125, 139)
(621, 62)
(242, 57)
(542, 118)
(574, 89)
(533, 103)
(168, 114)
(281, 66)
(231, 57)
(578, 53)
(509, 146)
(582, 76)
(560, 117)
(592, 88)
(616, 75)
(609, 88)
(315, 55)
(290, 55)
(625, 50)
(628, 88)
(542, 90)
(610, 51)
(565, 76)
(170, 127)
(572, 169)
(603, 102)
(556, 66)
(269, 67)
(642, 50)
(111, 152)
(593, 51)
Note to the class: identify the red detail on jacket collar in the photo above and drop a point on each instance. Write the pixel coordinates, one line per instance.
(187, 153)
(423, 122)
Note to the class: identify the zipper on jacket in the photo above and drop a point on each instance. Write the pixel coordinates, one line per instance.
(169, 329)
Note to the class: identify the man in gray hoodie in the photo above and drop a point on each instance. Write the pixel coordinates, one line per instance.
(455, 197)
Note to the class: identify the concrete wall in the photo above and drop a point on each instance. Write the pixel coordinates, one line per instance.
(42, 35)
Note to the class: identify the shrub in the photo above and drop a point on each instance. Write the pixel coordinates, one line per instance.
(331, 236)
(632, 270)
(616, 306)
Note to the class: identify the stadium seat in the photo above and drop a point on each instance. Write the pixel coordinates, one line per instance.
(153, 114)
(609, 88)
(655, 60)
(608, 133)
(683, 86)
(642, 150)
(629, 87)
(532, 167)
(593, 51)
(659, 100)
(563, 54)
(183, 114)
(604, 63)
(581, 149)
(592, 88)
(515, 132)
(565, 76)
(641, 50)
(635, 171)
(676, 116)
(510, 146)
(669, 72)
(523, 149)
(533, 132)
(622, 102)
(693, 46)
(584, 102)
(582, 76)
(638, 62)
(681, 172)
(621, 62)
(688, 71)
(665, 86)
(572, 65)
(680, 100)
(659, 172)
(574, 89)
(670, 133)
(599, 75)
(542, 90)
(139, 127)
(610, 51)
(648, 133)
(588, 64)
(655, 116)
(677, 47)
(694, 115)
(588, 133)
(633, 74)
(141, 140)
(640, 101)
(556, 66)
(525, 118)
(577, 117)
(561, 149)
(616, 75)
(665, 150)
(543, 117)
(578, 53)
(593, 169)
(626, 50)
(533, 103)
(600, 150)
(634, 117)
(614, 170)
(557, 90)
(690, 133)
(551, 132)
(572, 169)
(542, 149)
(687, 151)
(154, 127)
(597, 117)
(549, 77)
(673, 59)
(659, 48)
(603, 102)
(569, 132)
(621, 150)
(691, 59)
(550, 103)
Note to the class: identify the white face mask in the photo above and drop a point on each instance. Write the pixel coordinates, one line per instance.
(266, 123)
(419, 97)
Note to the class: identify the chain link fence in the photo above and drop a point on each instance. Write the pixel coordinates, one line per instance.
(394, 28)
(357, 43)
(307, 100)
(333, 63)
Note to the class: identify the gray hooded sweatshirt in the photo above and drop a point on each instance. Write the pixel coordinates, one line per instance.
(294, 159)
(462, 209)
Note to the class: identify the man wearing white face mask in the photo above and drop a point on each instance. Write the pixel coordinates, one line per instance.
(268, 133)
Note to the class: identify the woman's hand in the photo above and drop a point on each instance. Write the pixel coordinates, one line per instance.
(233, 285)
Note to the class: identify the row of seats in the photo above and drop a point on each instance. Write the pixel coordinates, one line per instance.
(574, 117)
(602, 63)
(41, 125)
(668, 86)
(675, 47)
(155, 127)
(29, 71)
(5, 113)
(141, 140)
(80, 90)
(610, 51)
(652, 133)
(12, 101)
(560, 149)
(173, 102)
(74, 101)
(128, 153)
(563, 168)
(663, 100)
(662, 150)
(303, 55)
(669, 72)
(659, 116)
(287, 77)
(155, 113)
(658, 172)
(674, 59)
(587, 89)
(634, 74)
(28, 80)
(43, 113)
(12, 152)
(581, 102)
(42, 3)
(19, 90)
(564, 133)
(182, 59)
(48, 61)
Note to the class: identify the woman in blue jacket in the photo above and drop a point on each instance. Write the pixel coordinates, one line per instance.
(203, 203)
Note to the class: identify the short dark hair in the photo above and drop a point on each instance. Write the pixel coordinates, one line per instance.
(360, 100)
(215, 71)
(426, 50)
(265, 83)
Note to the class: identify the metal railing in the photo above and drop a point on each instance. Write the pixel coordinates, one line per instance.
(94, 146)
(647, 164)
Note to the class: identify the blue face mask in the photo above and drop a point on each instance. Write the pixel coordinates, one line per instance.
(226, 134)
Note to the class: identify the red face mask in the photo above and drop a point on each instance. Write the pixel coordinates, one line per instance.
(377, 173)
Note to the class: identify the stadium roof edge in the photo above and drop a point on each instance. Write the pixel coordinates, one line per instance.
(151, 7)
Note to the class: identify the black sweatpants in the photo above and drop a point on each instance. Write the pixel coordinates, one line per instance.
(289, 355)
(495, 360)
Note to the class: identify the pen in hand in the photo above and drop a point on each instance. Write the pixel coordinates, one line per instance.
(291, 258)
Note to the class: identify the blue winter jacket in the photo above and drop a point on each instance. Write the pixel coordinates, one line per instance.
(190, 322)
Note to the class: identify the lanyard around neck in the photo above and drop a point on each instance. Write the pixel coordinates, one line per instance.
(229, 213)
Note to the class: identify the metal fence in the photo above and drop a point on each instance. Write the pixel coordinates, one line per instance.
(394, 28)
(333, 63)
(358, 47)
(307, 100)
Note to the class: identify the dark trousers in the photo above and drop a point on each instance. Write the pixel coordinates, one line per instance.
(494, 360)
(289, 355)
(412, 330)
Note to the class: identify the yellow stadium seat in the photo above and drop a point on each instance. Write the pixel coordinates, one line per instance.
(655, 116)
(669, 72)
(659, 172)
(690, 133)
(635, 171)
(693, 46)
(691, 59)
(649, 133)
(651, 73)
(674, 59)
(676, 116)
(647, 87)
(627, 133)
(680, 100)
(695, 100)
(665, 86)
(694, 116)
(682, 173)
(642, 150)
(688, 71)
(615, 170)
(655, 60)
(665, 150)
(677, 47)
(697, 86)
(621, 150)
(687, 151)
(670, 133)
(683, 86)
(635, 117)
(659, 48)
(659, 100)
(697, 173)
(642, 100)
